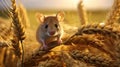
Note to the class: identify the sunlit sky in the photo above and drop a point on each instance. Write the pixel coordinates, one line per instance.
(67, 4)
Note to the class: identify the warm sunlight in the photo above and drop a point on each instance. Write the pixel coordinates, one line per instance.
(66, 4)
(59, 33)
(75, 2)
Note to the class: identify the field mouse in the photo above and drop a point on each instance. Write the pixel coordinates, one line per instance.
(49, 29)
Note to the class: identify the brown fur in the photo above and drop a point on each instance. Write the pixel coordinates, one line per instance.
(43, 34)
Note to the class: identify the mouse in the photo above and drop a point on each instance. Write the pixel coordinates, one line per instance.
(49, 28)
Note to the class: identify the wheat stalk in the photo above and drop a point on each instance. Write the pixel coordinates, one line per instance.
(114, 14)
(18, 31)
(82, 13)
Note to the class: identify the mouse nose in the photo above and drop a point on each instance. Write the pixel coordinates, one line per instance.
(52, 32)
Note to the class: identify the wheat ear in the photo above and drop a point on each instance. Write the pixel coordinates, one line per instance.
(114, 14)
(23, 15)
(97, 60)
(82, 13)
(18, 31)
(5, 33)
(105, 30)
(97, 28)
(17, 22)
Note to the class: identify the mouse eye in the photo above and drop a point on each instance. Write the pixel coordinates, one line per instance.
(46, 26)
(56, 25)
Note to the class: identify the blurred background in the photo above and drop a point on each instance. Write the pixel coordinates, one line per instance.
(96, 9)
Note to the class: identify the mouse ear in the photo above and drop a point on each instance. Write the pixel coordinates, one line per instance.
(60, 16)
(40, 17)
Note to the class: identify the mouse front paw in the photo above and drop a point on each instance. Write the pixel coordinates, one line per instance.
(44, 47)
(59, 41)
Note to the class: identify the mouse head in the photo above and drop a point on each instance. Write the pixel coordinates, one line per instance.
(51, 24)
